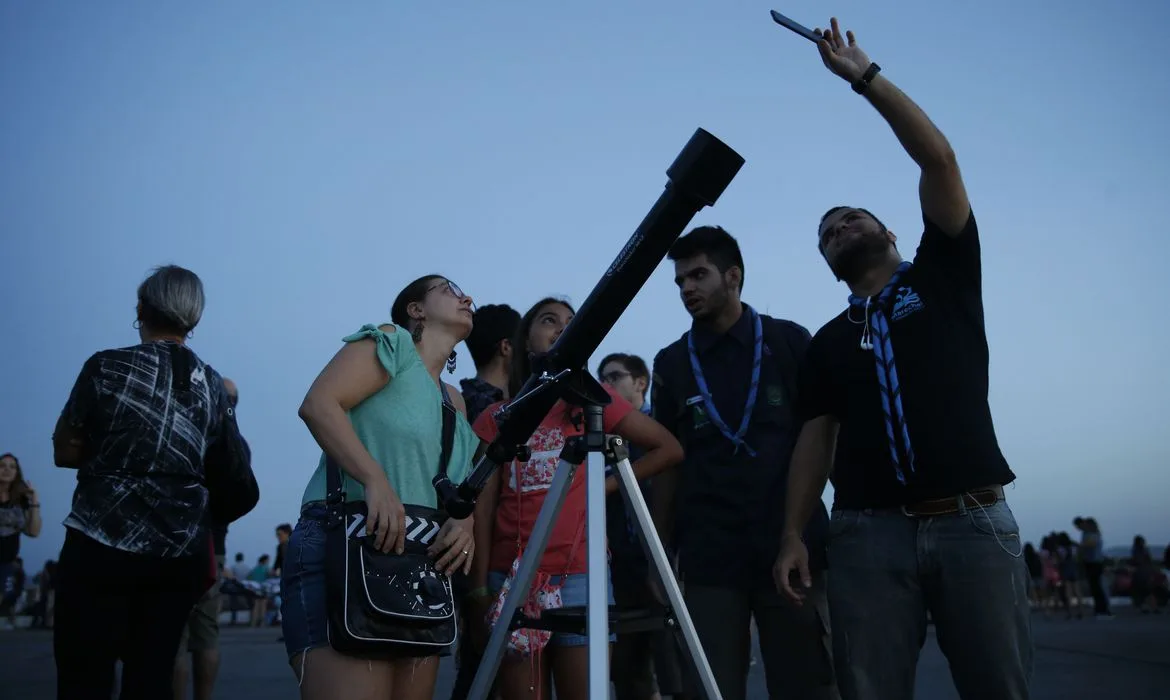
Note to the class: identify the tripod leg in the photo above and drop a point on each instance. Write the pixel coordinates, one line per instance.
(661, 567)
(597, 603)
(494, 652)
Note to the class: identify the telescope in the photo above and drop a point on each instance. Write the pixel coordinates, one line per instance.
(697, 177)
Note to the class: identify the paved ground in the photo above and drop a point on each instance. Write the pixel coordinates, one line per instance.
(1126, 658)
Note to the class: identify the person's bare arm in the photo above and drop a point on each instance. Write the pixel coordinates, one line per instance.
(68, 445)
(32, 514)
(941, 191)
(662, 449)
(808, 472)
(353, 375)
(940, 188)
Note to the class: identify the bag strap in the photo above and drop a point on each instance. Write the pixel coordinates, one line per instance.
(448, 439)
(335, 495)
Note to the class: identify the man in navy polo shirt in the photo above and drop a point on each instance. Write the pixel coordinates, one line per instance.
(896, 387)
(727, 389)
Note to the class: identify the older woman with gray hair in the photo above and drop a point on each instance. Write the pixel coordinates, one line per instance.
(151, 431)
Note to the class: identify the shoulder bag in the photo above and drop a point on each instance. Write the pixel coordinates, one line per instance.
(384, 603)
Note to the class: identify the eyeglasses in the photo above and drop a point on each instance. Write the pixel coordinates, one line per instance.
(615, 376)
(451, 288)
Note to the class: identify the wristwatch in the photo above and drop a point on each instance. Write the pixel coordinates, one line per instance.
(862, 84)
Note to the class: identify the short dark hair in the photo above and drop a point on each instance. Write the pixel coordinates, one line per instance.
(415, 291)
(285, 528)
(717, 244)
(492, 323)
(635, 365)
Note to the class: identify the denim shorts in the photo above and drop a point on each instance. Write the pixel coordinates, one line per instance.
(303, 612)
(574, 594)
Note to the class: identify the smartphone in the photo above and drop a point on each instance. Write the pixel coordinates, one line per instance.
(796, 27)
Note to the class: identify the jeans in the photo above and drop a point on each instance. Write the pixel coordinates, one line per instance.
(303, 615)
(887, 569)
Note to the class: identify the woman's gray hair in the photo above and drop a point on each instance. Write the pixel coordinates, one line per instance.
(171, 299)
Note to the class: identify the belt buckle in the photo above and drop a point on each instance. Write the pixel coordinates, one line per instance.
(908, 514)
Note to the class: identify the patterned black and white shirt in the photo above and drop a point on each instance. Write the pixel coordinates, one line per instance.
(147, 414)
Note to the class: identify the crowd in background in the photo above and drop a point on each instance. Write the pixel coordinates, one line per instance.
(1066, 574)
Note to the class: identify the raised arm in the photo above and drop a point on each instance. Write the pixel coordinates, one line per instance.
(940, 188)
(662, 449)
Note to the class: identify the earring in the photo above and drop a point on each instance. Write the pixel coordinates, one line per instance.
(451, 363)
(416, 332)
(137, 324)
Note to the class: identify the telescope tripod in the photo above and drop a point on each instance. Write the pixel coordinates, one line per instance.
(595, 620)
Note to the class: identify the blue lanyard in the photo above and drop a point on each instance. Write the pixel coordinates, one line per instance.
(705, 391)
(887, 371)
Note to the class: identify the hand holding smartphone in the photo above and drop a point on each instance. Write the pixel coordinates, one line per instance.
(796, 27)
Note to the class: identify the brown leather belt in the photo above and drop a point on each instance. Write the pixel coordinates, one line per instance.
(975, 498)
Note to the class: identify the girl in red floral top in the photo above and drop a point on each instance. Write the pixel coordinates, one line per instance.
(512, 499)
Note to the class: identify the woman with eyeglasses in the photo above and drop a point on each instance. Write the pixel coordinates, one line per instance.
(512, 499)
(376, 411)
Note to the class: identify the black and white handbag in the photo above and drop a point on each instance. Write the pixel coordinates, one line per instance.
(382, 603)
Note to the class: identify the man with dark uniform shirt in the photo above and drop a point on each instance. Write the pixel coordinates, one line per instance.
(896, 387)
(727, 390)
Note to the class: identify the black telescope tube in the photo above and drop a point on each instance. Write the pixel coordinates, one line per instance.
(698, 176)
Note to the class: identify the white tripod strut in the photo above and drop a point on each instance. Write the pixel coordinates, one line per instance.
(600, 449)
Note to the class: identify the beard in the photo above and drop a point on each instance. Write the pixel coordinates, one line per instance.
(714, 304)
(852, 262)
